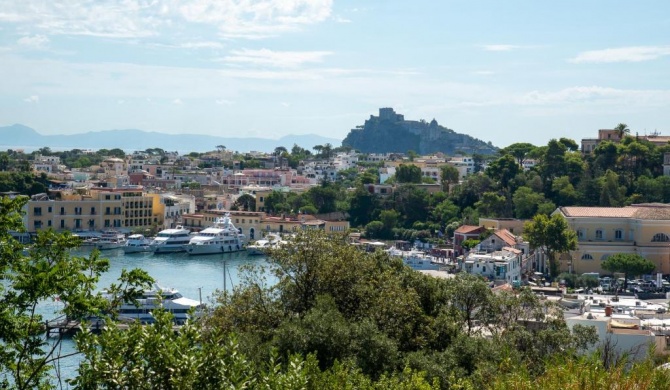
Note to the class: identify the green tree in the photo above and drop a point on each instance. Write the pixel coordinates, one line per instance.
(246, 202)
(48, 271)
(361, 206)
(503, 170)
(519, 151)
(622, 130)
(630, 264)
(526, 202)
(552, 235)
(448, 175)
(408, 173)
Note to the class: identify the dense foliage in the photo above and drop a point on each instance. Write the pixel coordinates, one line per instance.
(332, 317)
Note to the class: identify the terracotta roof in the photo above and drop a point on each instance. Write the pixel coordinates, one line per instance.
(467, 229)
(599, 212)
(506, 236)
(658, 211)
(653, 211)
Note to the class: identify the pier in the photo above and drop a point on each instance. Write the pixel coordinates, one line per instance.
(68, 327)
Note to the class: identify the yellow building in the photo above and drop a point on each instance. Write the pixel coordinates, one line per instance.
(643, 229)
(124, 209)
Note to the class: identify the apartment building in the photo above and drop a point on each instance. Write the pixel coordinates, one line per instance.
(125, 209)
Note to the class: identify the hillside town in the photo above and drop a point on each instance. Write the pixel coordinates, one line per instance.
(586, 230)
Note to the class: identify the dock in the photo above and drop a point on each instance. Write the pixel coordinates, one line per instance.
(66, 327)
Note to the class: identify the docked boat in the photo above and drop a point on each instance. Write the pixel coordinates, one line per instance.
(221, 237)
(416, 259)
(171, 240)
(154, 298)
(110, 239)
(137, 243)
(261, 246)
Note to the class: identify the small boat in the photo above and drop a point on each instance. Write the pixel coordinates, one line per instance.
(171, 240)
(221, 237)
(137, 243)
(110, 239)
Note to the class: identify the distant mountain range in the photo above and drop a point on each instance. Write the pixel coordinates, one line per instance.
(19, 136)
(391, 133)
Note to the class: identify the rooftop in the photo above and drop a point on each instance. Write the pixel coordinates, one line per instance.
(649, 211)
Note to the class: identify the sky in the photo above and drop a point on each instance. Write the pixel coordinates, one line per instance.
(502, 71)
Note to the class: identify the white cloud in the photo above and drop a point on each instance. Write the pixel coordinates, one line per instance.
(105, 18)
(340, 19)
(285, 104)
(249, 18)
(201, 45)
(32, 99)
(177, 101)
(142, 18)
(622, 54)
(501, 47)
(280, 59)
(597, 95)
(224, 102)
(33, 42)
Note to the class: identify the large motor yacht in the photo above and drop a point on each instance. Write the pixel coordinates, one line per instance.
(155, 298)
(110, 239)
(221, 237)
(171, 240)
(137, 243)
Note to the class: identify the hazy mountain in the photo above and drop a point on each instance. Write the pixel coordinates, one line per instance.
(391, 133)
(19, 136)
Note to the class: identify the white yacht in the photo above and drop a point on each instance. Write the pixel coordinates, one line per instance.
(110, 239)
(415, 259)
(137, 243)
(221, 237)
(148, 300)
(171, 240)
(261, 246)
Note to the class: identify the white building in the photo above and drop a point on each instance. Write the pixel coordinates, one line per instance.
(614, 332)
(503, 265)
(464, 165)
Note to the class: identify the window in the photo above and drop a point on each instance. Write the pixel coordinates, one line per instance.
(599, 234)
(660, 237)
(604, 257)
(50, 209)
(38, 211)
(586, 256)
(38, 225)
(618, 234)
(62, 224)
(62, 211)
(580, 234)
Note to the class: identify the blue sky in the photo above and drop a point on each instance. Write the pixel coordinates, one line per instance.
(503, 71)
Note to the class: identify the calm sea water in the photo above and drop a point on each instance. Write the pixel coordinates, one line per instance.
(191, 275)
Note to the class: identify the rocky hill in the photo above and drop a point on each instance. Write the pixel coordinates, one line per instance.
(391, 133)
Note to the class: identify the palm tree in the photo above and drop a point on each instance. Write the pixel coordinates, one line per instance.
(622, 130)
